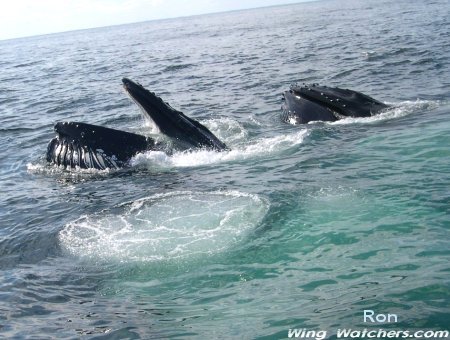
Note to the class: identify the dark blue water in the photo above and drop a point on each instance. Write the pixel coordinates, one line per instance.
(296, 227)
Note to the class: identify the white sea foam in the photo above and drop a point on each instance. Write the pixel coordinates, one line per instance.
(165, 227)
(227, 129)
(396, 111)
(235, 136)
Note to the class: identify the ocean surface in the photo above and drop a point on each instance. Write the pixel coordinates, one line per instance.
(296, 227)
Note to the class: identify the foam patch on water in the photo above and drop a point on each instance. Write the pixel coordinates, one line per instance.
(396, 111)
(260, 148)
(165, 227)
(227, 129)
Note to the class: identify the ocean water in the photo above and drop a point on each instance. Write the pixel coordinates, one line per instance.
(295, 227)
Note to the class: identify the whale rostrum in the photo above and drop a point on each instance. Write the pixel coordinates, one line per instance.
(307, 103)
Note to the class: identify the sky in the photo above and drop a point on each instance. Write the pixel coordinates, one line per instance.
(21, 18)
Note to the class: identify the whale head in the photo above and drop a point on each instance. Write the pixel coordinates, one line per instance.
(303, 104)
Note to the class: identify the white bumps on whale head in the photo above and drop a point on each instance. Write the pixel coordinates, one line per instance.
(163, 227)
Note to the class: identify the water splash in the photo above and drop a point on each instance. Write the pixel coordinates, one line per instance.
(396, 111)
(227, 129)
(233, 133)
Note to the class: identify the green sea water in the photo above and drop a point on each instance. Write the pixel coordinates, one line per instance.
(296, 227)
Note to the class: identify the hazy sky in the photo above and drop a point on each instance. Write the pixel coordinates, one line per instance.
(19, 18)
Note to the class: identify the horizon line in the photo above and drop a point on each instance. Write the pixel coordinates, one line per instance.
(156, 19)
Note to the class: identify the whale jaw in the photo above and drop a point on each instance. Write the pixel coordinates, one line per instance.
(94, 147)
(185, 131)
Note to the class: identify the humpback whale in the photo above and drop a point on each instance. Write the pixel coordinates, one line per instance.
(303, 104)
(90, 146)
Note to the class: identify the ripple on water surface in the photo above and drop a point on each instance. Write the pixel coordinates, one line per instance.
(164, 227)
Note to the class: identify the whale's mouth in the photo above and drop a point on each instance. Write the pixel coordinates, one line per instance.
(165, 227)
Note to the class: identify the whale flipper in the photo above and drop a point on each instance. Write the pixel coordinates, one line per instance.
(173, 123)
(91, 146)
(303, 104)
